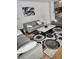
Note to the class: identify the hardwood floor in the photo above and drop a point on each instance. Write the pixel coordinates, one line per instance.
(58, 55)
(45, 57)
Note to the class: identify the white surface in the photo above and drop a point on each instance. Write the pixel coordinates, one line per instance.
(43, 29)
(19, 32)
(52, 13)
(26, 47)
(39, 22)
(41, 12)
(29, 25)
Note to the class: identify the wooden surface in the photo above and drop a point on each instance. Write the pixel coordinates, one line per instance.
(45, 57)
(58, 55)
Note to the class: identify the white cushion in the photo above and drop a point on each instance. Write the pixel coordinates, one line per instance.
(26, 47)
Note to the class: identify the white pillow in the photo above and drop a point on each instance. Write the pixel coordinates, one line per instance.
(39, 22)
(29, 25)
(26, 47)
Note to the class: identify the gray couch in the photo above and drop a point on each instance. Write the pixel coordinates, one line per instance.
(34, 25)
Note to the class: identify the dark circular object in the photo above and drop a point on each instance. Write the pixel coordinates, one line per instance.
(60, 34)
(57, 28)
(46, 26)
(52, 44)
(60, 38)
(38, 37)
(49, 35)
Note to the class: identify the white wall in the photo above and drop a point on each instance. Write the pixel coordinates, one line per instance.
(41, 12)
(52, 12)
